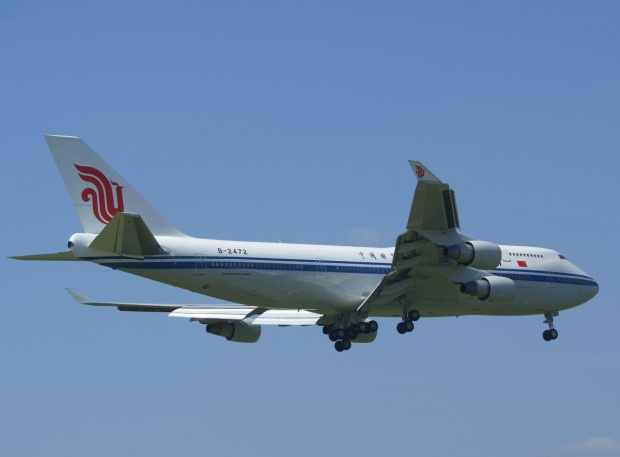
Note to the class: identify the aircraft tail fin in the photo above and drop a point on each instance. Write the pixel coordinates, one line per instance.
(97, 191)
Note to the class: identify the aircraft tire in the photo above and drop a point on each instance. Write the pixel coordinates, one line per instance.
(408, 326)
(400, 328)
(373, 326)
(546, 335)
(346, 345)
(413, 315)
(553, 334)
(339, 347)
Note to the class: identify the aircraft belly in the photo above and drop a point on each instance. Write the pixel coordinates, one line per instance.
(294, 290)
(336, 293)
(531, 298)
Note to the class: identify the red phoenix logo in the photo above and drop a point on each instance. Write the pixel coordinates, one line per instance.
(102, 195)
(419, 171)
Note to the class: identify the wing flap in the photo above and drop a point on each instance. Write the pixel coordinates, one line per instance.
(221, 313)
(287, 317)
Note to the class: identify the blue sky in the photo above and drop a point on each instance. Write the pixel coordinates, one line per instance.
(294, 121)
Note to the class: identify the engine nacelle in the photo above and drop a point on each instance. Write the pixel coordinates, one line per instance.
(239, 331)
(365, 338)
(495, 289)
(476, 254)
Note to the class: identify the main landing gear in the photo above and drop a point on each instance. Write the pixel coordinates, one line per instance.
(342, 336)
(409, 317)
(552, 333)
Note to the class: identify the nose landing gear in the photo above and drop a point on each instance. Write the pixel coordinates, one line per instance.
(552, 333)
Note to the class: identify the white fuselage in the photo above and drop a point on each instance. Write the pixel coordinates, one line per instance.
(336, 279)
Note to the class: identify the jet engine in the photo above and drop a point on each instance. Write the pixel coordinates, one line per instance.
(476, 254)
(492, 288)
(239, 331)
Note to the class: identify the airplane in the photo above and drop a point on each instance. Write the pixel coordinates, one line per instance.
(433, 270)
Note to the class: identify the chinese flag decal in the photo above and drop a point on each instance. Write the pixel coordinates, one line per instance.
(522, 263)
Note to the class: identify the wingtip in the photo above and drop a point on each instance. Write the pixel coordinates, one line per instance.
(49, 135)
(79, 297)
(422, 172)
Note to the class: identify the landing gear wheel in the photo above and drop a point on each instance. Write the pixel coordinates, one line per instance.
(400, 328)
(339, 346)
(362, 327)
(353, 332)
(327, 329)
(333, 336)
(553, 333)
(373, 326)
(346, 345)
(408, 326)
(413, 315)
(546, 335)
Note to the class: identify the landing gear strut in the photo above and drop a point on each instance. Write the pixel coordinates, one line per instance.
(552, 333)
(409, 317)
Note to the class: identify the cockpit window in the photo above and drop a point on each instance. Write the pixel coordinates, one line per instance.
(562, 257)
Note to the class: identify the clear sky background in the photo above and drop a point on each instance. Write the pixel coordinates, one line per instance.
(294, 121)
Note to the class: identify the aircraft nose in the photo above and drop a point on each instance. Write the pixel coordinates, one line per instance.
(590, 288)
(594, 289)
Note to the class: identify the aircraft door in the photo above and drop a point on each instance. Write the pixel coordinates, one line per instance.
(321, 271)
(550, 280)
(201, 265)
(505, 256)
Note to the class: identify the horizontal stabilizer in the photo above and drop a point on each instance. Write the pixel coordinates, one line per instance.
(65, 256)
(127, 235)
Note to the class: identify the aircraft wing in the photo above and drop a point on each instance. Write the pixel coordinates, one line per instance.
(213, 313)
(419, 268)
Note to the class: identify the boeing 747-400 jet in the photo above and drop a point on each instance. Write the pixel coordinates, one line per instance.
(432, 271)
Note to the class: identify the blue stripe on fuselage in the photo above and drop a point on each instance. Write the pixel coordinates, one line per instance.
(248, 259)
(270, 264)
(228, 265)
